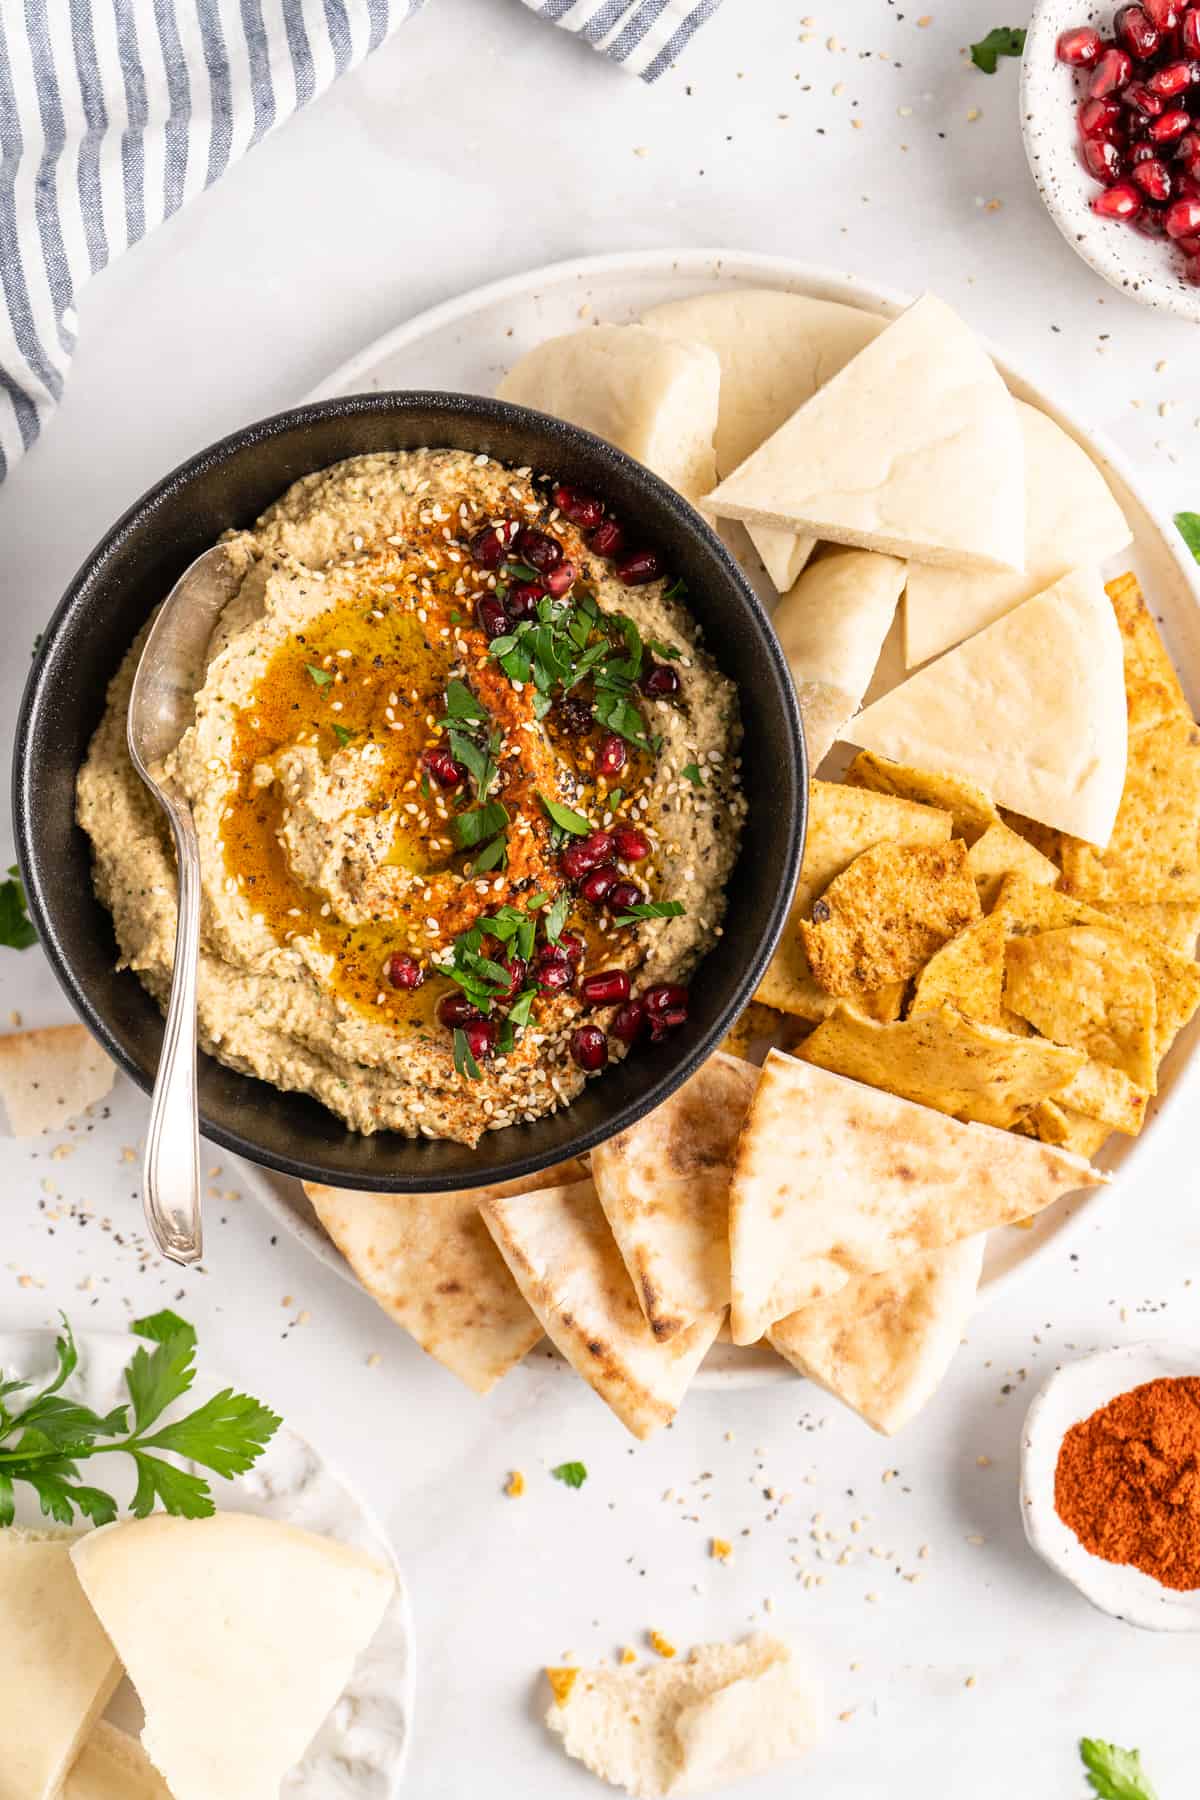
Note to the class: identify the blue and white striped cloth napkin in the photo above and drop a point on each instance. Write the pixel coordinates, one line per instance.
(113, 113)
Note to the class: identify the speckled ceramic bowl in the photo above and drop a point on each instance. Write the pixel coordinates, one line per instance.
(1075, 1392)
(1146, 269)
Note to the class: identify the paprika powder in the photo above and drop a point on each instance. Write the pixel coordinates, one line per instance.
(1128, 1481)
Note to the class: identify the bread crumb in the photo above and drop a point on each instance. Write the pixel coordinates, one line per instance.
(515, 1485)
(720, 1548)
(628, 1654)
(561, 1682)
(662, 1645)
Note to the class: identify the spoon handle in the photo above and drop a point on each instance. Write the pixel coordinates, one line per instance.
(171, 1190)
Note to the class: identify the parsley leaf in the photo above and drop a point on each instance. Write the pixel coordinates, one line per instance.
(651, 909)
(1002, 40)
(16, 933)
(565, 818)
(522, 1007)
(322, 677)
(464, 1062)
(1113, 1773)
(342, 735)
(462, 704)
(571, 1474)
(691, 773)
(492, 856)
(1189, 530)
(478, 824)
(557, 916)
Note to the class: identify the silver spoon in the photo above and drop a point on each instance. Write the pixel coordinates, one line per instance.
(161, 707)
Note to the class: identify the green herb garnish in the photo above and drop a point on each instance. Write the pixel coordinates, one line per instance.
(691, 773)
(1113, 1773)
(478, 824)
(520, 1011)
(1189, 531)
(568, 643)
(342, 735)
(557, 916)
(651, 909)
(565, 818)
(464, 1062)
(571, 1474)
(1002, 40)
(43, 1444)
(322, 677)
(16, 933)
(615, 798)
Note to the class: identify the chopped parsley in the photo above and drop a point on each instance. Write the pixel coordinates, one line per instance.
(557, 916)
(651, 909)
(1002, 40)
(322, 677)
(1113, 1773)
(464, 1062)
(565, 818)
(567, 643)
(1189, 531)
(16, 933)
(476, 745)
(691, 773)
(343, 735)
(571, 1474)
(478, 824)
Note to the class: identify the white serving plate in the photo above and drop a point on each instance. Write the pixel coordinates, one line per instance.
(467, 344)
(361, 1750)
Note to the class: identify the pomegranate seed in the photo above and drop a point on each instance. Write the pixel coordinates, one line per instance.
(1139, 154)
(659, 680)
(571, 946)
(1137, 31)
(1189, 245)
(403, 970)
(1079, 47)
(481, 1038)
(442, 766)
(491, 546)
(597, 883)
(1120, 202)
(1099, 118)
(516, 968)
(582, 509)
(541, 552)
(624, 894)
(1170, 127)
(589, 1047)
(666, 1009)
(629, 1022)
(1104, 160)
(1191, 270)
(561, 579)
(608, 539)
(555, 977)
(639, 567)
(522, 600)
(1163, 13)
(1189, 37)
(493, 620)
(606, 989)
(1154, 179)
(1113, 70)
(1149, 223)
(1183, 219)
(1172, 79)
(1188, 147)
(631, 843)
(612, 755)
(1138, 97)
(586, 853)
(454, 1010)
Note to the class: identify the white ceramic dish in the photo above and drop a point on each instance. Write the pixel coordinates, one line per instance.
(361, 1750)
(1146, 269)
(1072, 1393)
(468, 343)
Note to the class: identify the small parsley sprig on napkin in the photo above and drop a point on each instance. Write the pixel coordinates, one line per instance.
(1002, 40)
(16, 933)
(43, 1443)
(1113, 1773)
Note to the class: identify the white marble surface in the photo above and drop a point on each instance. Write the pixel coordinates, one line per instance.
(479, 143)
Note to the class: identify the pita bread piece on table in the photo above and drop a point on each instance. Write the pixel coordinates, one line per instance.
(971, 810)
(880, 920)
(913, 449)
(60, 1671)
(842, 823)
(238, 1633)
(1032, 709)
(831, 628)
(113, 1766)
(664, 1187)
(885, 1341)
(726, 1713)
(51, 1076)
(565, 1261)
(428, 1260)
(652, 396)
(836, 1180)
(1071, 520)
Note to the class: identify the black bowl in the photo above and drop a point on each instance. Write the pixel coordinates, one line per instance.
(133, 568)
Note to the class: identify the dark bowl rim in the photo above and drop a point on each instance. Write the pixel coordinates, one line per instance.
(484, 408)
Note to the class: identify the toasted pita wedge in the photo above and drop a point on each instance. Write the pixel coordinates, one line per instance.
(653, 396)
(967, 973)
(1153, 851)
(883, 1343)
(881, 919)
(1056, 1124)
(783, 554)
(1090, 988)
(997, 853)
(1071, 519)
(756, 1031)
(1100, 1092)
(51, 1076)
(913, 449)
(831, 627)
(970, 809)
(941, 1059)
(664, 1187)
(566, 1263)
(835, 1180)
(1175, 926)
(842, 823)
(1151, 683)
(113, 1766)
(429, 1262)
(1032, 709)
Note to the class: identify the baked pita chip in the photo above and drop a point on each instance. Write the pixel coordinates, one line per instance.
(756, 1030)
(831, 628)
(1056, 1124)
(1043, 837)
(1108, 1095)
(1175, 926)
(429, 1262)
(881, 919)
(883, 1343)
(1031, 709)
(835, 1180)
(967, 973)
(565, 1261)
(1154, 850)
(51, 1076)
(842, 823)
(945, 1061)
(1152, 686)
(1089, 988)
(997, 853)
(970, 809)
(664, 1187)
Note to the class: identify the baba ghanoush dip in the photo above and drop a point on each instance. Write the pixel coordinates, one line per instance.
(466, 788)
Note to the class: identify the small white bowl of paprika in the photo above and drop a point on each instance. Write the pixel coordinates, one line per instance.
(1110, 1482)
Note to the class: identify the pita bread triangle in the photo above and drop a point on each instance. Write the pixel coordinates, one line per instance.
(239, 1635)
(884, 1342)
(783, 553)
(836, 1180)
(113, 1766)
(566, 1263)
(1032, 709)
(914, 448)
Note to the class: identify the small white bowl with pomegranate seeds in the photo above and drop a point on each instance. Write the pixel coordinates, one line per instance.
(1110, 104)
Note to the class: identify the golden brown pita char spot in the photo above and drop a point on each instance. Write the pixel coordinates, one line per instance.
(842, 823)
(883, 918)
(971, 810)
(1154, 850)
(967, 973)
(997, 853)
(955, 1065)
(1088, 988)
(1148, 665)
